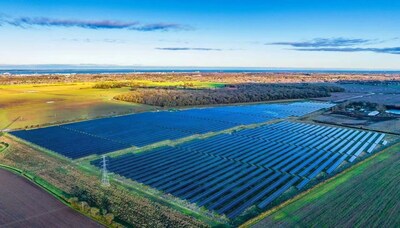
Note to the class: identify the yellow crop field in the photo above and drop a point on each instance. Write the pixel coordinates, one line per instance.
(29, 105)
(37, 104)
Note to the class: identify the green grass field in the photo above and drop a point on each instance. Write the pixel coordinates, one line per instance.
(365, 195)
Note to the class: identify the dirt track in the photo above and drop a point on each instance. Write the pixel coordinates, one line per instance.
(23, 204)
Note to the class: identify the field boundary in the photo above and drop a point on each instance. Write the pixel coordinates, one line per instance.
(39, 148)
(336, 177)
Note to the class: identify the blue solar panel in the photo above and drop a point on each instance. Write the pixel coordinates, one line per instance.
(230, 172)
(226, 173)
(100, 136)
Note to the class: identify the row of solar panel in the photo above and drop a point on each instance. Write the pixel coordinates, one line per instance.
(230, 172)
(105, 135)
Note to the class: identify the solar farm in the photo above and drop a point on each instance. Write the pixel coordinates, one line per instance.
(226, 173)
(100, 136)
(230, 172)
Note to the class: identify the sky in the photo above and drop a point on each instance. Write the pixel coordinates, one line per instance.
(337, 34)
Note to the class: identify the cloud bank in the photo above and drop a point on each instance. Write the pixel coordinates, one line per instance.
(187, 49)
(325, 42)
(338, 45)
(87, 40)
(26, 22)
(389, 50)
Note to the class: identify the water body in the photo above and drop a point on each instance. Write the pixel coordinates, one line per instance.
(36, 71)
(393, 111)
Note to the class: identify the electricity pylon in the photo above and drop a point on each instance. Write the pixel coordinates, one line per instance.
(105, 181)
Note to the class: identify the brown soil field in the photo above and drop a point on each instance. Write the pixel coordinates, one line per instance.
(342, 96)
(23, 204)
(386, 99)
(382, 94)
(367, 88)
(340, 119)
(389, 126)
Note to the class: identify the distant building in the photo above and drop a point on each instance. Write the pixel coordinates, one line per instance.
(373, 113)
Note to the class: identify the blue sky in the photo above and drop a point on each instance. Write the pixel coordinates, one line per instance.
(288, 33)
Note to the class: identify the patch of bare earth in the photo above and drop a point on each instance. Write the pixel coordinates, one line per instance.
(23, 204)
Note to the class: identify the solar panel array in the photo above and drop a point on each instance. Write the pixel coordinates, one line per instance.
(105, 135)
(231, 172)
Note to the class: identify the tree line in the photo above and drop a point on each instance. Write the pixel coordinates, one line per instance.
(138, 84)
(238, 93)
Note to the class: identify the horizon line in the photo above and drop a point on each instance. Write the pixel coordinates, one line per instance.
(134, 67)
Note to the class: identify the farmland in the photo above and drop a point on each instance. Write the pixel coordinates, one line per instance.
(32, 101)
(24, 204)
(230, 172)
(363, 196)
(31, 104)
(229, 78)
(105, 135)
(387, 93)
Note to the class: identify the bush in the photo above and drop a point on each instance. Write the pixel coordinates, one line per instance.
(74, 201)
(95, 212)
(109, 218)
(84, 207)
